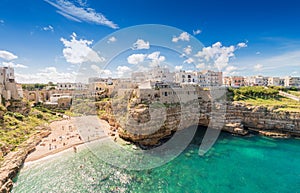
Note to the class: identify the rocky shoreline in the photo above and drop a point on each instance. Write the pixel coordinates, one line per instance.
(13, 161)
(238, 119)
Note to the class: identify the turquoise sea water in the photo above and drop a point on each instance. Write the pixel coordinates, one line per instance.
(234, 164)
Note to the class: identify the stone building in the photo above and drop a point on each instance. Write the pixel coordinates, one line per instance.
(234, 81)
(8, 86)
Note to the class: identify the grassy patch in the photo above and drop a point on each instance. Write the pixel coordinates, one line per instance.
(17, 128)
(280, 103)
(296, 93)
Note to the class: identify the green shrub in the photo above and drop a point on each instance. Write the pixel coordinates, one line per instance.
(19, 116)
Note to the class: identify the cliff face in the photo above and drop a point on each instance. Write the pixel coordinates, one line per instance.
(264, 119)
(236, 118)
(13, 161)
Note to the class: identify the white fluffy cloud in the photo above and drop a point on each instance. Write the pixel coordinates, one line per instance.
(218, 55)
(136, 58)
(156, 58)
(201, 65)
(184, 36)
(242, 45)
(188, 50)
(189, 60)
(112, 39)
(100, 71)
(141, 44)
(13, 65)
(80, 13)
(230, 70)
(7, 55)
(178, 68)
(78, 51)
(1, 21)
(48, 28)
(196, 32)
(123, 71)
(46, 75)
(258, 67)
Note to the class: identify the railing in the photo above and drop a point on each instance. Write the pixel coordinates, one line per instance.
(293, 97)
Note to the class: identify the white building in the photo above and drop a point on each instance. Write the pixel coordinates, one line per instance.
(156, 74)
(186, 77)
(205, 78)
(274, 81)
(71, 86)
(208, 78)
(256, 81)
(292, 81)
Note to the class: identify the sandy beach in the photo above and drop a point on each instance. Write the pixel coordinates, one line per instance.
(64, 135)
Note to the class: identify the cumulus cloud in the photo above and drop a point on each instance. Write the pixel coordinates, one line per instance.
(188, 50)
(48, 74)
(112, 39)
(1, 21)
(196, 32)
(100, 71)
(258, 67)
(189, 60)
(140, 44)
(257, 53)
(242, 45)
(217, 55)
(156, 58)
(178, 68)
(80, 12)
(123, 71)
(201, 65)
(7, 55)
(184, 36)
(48, 28)
(230, 70)
(78, 51)
(13, 65)
(136, 58)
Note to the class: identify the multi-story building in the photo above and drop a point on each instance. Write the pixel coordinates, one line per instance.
(274, 81)
(156, 74)
(8, 87)
(234, 81)
(256, 81)
(208, 78)
(292, 81)
(71, 86)
(186, 77)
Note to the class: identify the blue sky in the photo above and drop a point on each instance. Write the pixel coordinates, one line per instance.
(36, 35)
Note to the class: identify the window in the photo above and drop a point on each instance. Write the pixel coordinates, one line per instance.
(166, 93)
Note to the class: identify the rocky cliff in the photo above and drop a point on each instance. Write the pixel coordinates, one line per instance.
(236, 118)
(13, 161)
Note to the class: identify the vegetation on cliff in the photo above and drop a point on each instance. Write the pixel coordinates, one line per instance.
(17, 128)
(264, 96)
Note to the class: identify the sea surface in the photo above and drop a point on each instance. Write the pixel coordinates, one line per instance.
(235, 164)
